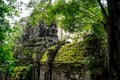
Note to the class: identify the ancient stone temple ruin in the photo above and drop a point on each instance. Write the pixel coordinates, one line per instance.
(34, 41)
(44, 57)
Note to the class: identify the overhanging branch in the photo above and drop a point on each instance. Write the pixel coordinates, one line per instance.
(103, 10)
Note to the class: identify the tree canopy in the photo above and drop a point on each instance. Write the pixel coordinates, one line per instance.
(71, 15)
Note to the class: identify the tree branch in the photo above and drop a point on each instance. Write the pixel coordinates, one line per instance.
(103, 10)
(93, 13)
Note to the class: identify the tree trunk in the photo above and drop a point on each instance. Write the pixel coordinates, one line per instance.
(113, 31)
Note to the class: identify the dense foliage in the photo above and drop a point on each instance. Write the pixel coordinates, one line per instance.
(7, 35)
(70, 15)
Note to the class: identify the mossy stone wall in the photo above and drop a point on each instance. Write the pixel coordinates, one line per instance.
(76, 61)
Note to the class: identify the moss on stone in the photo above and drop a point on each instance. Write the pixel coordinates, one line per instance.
(81, 53)
(33, 55)
(70, 53)
(43, 57)
(52, 47)
(77, 53)
(21, 72)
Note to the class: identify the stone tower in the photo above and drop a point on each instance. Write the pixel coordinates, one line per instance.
(35, 40)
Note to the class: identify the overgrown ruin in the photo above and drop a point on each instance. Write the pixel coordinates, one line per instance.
(42, 56)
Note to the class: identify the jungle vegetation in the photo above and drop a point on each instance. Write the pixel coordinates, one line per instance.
(102, 19)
